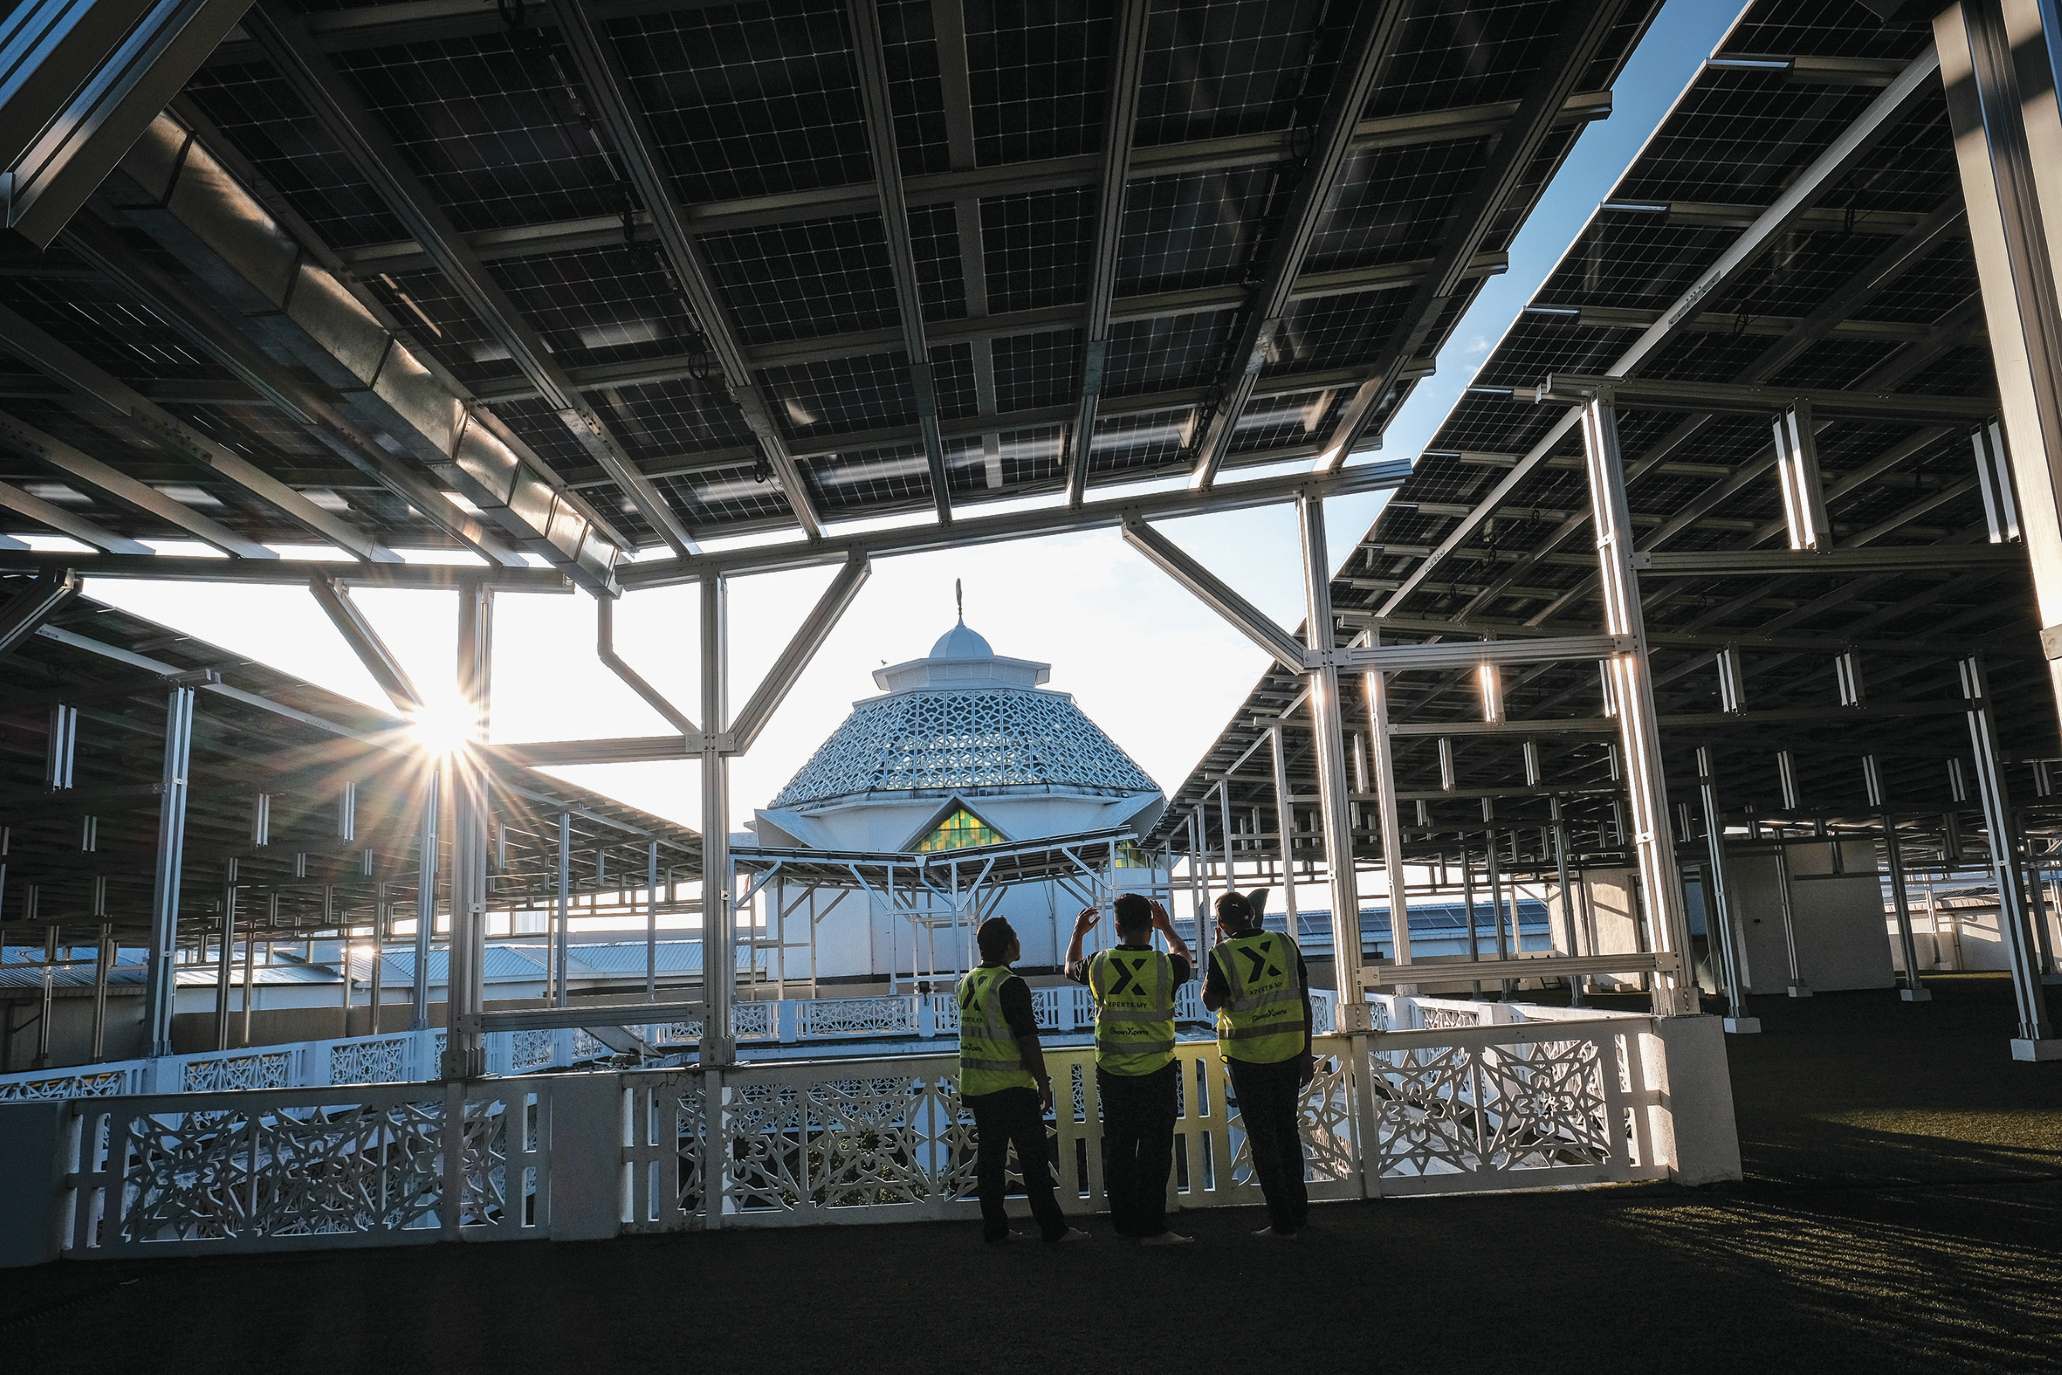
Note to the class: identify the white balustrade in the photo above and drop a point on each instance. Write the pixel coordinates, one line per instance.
(1540, 1099)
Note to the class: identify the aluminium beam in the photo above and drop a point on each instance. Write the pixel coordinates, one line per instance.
(627, 749)
(333, 99)
(1244, 617)
(1729, 398)
(1719, 563)
(1023, 524)
(66, 523)
(81, 80)
(83, 378)
(1825, 171)
(1119, 111)
(1377, 977)
(34, 604)
(794, 657)
(350, 620)
(605, 650)
(1377, 28)
(638, 154)
(872, 69)
(141, 563)
(1470, 654)
(1562, 62)
(24, 438)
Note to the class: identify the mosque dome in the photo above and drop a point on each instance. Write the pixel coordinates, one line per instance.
(961, 720)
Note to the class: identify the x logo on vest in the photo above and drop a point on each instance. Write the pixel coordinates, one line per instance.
(1126, 974)
(966, 997)
(1256, 963)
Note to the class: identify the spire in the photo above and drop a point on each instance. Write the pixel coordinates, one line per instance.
(959, 600)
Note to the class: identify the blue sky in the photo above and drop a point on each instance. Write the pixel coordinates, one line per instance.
(1156, 669)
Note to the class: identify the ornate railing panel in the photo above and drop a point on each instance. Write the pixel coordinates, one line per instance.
(272, 1170)
(87, 1081)
(824, 1017)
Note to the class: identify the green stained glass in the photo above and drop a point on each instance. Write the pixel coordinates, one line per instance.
(962, 830)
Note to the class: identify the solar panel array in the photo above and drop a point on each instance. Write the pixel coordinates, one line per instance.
(89, 854)
(1869, 286)
(459, 167)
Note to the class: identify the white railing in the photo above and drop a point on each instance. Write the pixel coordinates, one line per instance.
(1524, 1102)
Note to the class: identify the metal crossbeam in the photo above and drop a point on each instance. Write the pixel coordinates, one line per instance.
(1376, 29)
(872, 71)
(32, 605)
(66, 523)
(1561, 65)
(1468, 654)
(1720, 563)
(357, 130)
(358, 632)
(1118, 118)
(1802, 191)
(1723, 398)
(968, 531)
(631, 134)
(139, 562)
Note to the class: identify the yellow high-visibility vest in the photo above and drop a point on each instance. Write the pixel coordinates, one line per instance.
(1261, 1020)
(989, 1060)
(1134, 1010)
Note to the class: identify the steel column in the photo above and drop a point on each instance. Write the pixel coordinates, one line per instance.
(1998, 64)
(1720, 935)
(1328, 744)
(1285, 824)
(425, 902)
(1389, 820)
(1633, 690)
(1561, 877)
(719, 920)
(651, 921)
(1798, 988)
(225, 958)
(103, 963)
(2036, 1039)
(464, 1050)
(161, 985)
(562, 934)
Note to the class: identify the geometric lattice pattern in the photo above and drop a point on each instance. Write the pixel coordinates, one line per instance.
(943, 740)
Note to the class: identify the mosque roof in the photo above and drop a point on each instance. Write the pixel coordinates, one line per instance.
(964, 719)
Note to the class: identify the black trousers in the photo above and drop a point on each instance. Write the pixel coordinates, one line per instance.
(1011, 1117)
(1269, 1096)
(1138, 1148)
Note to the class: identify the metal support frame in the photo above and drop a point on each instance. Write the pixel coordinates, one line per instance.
(464, 1050)
(425, 900)
(1220, 597)
(1769, 227)
(1119, 113)
(801, 647)
(225, 957)
(161, 984)
(93, 74)
(1893, 864)
(605, 650)
(562, 932)
(1797, 987)
(1365, 54)
(2036, 1039)
(1328, 744)
(875, 98)
(1388, 819)
(637, 152)
(1998, 64)
(35, 604)
(1284, 823)
(358, 632)
(1633, 690)
(1722, 936)
(719, 917)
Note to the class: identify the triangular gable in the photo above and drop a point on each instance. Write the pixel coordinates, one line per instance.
(955, 826)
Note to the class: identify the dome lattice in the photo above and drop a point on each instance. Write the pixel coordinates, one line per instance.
(953, 739)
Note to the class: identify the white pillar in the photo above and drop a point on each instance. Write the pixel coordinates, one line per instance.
(1328, 745)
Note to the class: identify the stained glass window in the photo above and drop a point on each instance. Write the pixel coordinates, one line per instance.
(962, 830)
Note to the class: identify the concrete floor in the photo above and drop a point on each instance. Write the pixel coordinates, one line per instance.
(1903, 1209)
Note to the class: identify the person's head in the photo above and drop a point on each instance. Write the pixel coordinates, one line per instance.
(1134, 918)
(998, 941)
(1239, 914)
(1235, 914)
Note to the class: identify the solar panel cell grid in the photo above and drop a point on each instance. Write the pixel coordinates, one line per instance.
(748, 100)
(1392, 204)
(1034, 370)
(909, 51)
(1334, 332)
(1035, 247)
(491, 122)
(661, 420)
(1465, 54)
(1278, 422)
(842, 394)
(600, 305)
(1040, 75)
(1133, 445)
(795, 281)
(1230, 67)
(1169, 352)
(1192, 231)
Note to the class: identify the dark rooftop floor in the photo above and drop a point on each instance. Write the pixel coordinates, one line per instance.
(1903, 1209)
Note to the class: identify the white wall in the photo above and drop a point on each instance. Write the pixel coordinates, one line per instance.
(1838, 914)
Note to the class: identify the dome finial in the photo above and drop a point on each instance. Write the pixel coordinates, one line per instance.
(959, 600)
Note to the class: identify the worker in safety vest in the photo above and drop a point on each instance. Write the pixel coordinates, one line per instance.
(1259, 988)
(1133, 986)
(1003, 1082)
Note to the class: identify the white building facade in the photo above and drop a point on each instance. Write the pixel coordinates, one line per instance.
(963, 749)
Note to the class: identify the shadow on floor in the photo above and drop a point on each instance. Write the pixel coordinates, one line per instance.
(1903, 1210)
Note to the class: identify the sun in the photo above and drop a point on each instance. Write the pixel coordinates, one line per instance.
(441, 728)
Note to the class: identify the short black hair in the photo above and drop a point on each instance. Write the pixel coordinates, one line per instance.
(1235, 910)
(994, 937)
(1134, 913)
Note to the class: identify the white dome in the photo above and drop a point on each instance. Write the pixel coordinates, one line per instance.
(961, 643)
